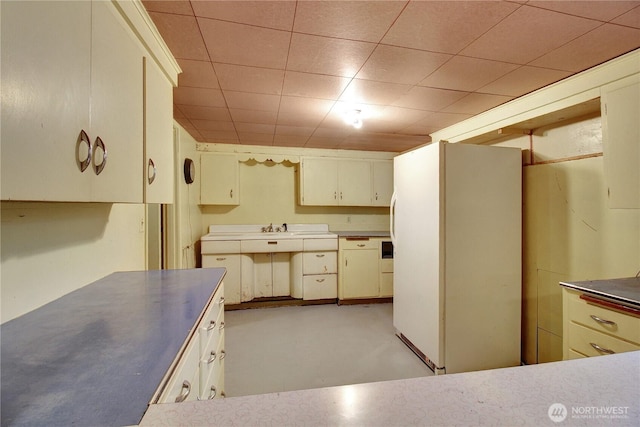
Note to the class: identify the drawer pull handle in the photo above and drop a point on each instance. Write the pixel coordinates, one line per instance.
(212, 325)
(221, 302)
(361, 245)
(221, 259)
(272, 242)
(212, 357)
(319, 280)
(603, 321)
(213, 392)
(320, 255)
(221, 326)
(222, 354)
(184, 392)
(601, 349)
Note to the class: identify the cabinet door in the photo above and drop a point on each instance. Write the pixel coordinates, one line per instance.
(159, 172)
(382, 182)
(354, 182)
(621, 142)
(116, 106)
(45, 99)
(359, 278)
(232, 280)
(319, 182)
(263, 277)
(219, 176)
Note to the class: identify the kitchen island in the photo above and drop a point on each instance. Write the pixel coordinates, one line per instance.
(595, 391)
(96, 356)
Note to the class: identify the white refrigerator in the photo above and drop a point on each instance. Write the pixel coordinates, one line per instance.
(456, 220)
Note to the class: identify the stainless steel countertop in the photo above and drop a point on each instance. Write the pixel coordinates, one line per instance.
(625, 290)
(96, 355)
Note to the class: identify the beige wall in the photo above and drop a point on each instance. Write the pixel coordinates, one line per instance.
(269, 194)
(51, 249)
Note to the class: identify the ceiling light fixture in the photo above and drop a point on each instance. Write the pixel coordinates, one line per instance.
(352, 117)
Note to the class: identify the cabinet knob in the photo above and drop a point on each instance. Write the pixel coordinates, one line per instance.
(221, 327)
(211, 358)
(151, 171)
(83, 139)
(100, 146)
(222, 354)
(184, 392)
(221, 302)
(212, 325)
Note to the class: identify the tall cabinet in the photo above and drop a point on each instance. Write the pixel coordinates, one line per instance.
(457, 255)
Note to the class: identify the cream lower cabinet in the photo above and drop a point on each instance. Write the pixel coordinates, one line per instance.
(593, 329)
(199, 372)
(271, 274)
(362, 272)
(319, 275)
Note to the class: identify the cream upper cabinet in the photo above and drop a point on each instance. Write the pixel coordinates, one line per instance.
(621, 141)
(220, 179)
(354, 182)
(44, 112)
(335, 182)
(158, 138)
(318, 181)
(72, 105)
(382, 182)
(116, 107)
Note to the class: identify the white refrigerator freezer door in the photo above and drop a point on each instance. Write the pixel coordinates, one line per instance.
(418, 299)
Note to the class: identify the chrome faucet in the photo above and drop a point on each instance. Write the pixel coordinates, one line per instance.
(268, 229)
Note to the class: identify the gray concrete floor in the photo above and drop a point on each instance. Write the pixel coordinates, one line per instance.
(293, 348)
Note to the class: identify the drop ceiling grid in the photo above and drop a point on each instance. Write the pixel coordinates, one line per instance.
(280, 72)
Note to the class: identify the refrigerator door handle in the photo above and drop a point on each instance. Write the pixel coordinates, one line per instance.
(392, 208)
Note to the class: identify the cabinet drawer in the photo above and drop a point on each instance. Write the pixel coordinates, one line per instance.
(358, 244)
(220, 247)
(386, 265)
(185, 379)
(269, 246)
(320, 286)
(211, 372)
(604, 320)
(210, 324)
(319, 262)
(587, 341)
(320, 245)
(210, 334)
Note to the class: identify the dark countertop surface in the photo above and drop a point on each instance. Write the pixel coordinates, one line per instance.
(97, 355)
(625, 290)
(362, 233)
